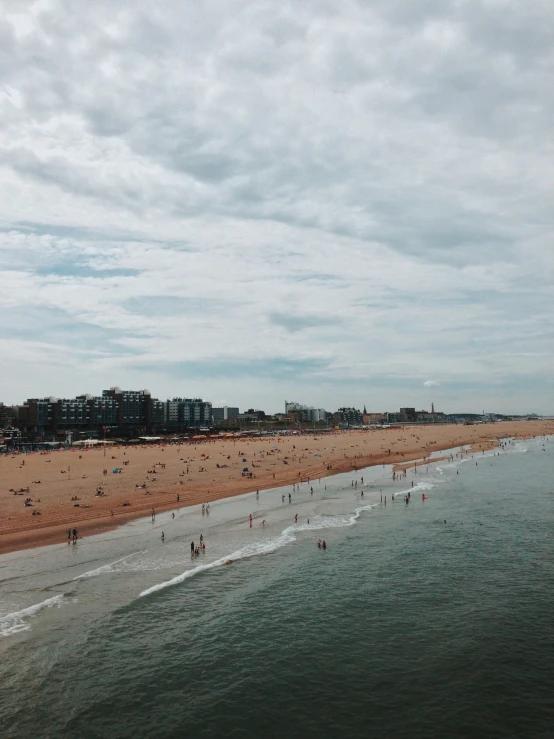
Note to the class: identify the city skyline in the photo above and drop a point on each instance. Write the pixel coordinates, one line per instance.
(344, 203)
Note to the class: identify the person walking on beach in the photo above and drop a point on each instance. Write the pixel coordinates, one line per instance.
(153, 514)
(296, 518)
(68, 534)
(75, 535)
(163, 536)
(250, 517)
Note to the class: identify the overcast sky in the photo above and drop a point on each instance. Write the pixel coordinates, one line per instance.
(339, 203)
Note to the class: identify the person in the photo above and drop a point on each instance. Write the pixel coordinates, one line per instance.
(392, 497)
(178, 498)
(263, 522)
(445, 520)
(192, 547)
(172, 515)
(311, 491)
(324, 544)
(319, 543)
(153, 514)
(75, 535)
(203, 546)
(68, 534)
(163, 536)
(308, 522)
(296, 518)
(282, 498)
(362, 493)
(201, 539)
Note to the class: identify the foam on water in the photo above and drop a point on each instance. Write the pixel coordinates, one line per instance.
(267, 546)
(12, 623)
(108, 568)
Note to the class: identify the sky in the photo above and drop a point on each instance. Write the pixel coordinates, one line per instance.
(336, 203)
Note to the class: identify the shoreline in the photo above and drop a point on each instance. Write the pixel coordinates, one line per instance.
(20, 532)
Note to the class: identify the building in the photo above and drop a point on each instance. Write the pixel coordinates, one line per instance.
(7, 415)
(298, 413)
(103, 411)
(373, 418)
(188, 413)
(351, 416)
(35, 415)
(225, 413)
(70, 413)
(133, 406)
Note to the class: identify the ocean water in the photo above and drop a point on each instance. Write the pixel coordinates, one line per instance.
(406, 626)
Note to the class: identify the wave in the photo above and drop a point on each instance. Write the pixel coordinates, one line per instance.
(267, 546)
(12, 623)
(106, 569)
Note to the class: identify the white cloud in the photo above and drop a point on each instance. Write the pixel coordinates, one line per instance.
(431, 383)
(360, 191)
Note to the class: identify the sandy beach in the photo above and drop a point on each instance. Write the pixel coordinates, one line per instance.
(63, 485)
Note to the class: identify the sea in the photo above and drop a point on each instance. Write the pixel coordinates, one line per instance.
(431, 619)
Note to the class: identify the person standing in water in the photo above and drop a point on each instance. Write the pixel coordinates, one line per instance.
(192, 547)
(163, 536)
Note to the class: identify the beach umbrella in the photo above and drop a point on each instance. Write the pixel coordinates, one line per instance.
(245, 469)
(243, 459)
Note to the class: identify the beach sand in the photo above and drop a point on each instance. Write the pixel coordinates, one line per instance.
(199, 472)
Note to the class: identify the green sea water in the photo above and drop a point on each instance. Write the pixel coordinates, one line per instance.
(406, 626)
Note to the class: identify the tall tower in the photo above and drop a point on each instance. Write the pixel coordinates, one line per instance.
(432, 407)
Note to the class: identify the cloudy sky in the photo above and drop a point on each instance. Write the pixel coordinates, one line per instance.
(339, 203)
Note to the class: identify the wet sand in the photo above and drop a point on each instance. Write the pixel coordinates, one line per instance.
(202, 472)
